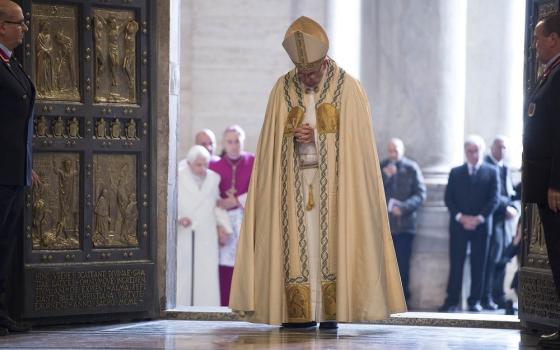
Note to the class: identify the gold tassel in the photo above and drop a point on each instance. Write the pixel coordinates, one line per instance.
(310, 202)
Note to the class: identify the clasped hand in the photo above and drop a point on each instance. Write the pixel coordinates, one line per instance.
(304, 134)
(469, 222)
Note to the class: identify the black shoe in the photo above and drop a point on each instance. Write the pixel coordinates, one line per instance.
(8, 323)
(550, 340)
(328, 325)
(475, 308)
(449, 308)
(510, 310)
(490, 305)
(501, 303)
(312, 324)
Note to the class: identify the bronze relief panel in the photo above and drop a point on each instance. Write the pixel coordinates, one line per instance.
(114, 37)
(55, 201)
(55, 52)
(58, 127)
(115, 129)
(115, 206)
(537, 254)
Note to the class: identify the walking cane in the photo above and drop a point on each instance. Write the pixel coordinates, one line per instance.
(192, 270)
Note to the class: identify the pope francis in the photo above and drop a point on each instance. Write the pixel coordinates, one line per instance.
(315, 244)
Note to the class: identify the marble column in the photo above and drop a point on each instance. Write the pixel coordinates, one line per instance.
(173, 103)
(163, 142)
(494, 83)
(413, 69)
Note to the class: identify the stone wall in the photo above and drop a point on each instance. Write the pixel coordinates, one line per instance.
(231, 56)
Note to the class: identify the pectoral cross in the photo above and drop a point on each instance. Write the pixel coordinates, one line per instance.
(232, 190)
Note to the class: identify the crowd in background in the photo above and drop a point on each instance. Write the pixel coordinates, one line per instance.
(212, 194)
(481, 198)
(483, 205)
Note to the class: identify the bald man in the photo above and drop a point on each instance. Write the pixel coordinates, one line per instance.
(17, 97)
(405, 192)
(207, 139)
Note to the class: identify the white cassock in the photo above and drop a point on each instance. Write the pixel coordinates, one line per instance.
(197, 201)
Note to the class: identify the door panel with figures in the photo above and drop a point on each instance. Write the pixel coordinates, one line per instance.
(89, 242)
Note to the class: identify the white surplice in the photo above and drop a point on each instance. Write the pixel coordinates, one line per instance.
(197, 201)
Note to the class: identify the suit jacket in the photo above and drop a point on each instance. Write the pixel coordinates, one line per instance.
(507, 192)
(472, 195)
(541, 140)
(17, 98)
(407, 186)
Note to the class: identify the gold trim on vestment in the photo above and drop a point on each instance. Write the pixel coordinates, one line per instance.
(298, 301)
(294, 120)
(327, 118)
(293, 220)
(309, 66)
(300, 47)
(329, 300)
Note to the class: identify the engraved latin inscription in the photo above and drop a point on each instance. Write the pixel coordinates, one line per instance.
(539, 296)
(80, 290)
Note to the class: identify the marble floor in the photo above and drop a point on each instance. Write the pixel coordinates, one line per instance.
(179, 334)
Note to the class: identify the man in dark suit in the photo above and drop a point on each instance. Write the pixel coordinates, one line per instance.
(493, 295)
(541, 146)
(405, 192)
(17, 96)
(471, 197)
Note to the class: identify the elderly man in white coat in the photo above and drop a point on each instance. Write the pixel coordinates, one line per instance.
(202, 225)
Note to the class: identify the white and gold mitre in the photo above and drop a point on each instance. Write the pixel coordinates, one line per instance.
(306, 43)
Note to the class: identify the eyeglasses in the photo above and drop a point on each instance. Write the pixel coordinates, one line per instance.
(20, 23)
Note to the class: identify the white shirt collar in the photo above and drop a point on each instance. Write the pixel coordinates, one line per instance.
(475, 166)
(550, 61)
(6, 50)
(499, 163)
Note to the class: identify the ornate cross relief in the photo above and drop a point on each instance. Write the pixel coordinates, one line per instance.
(114, 34)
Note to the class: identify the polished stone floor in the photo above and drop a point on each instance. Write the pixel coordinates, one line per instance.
(178, 334)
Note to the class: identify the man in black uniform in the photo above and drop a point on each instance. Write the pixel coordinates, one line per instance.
(17, 96)
(541, 146)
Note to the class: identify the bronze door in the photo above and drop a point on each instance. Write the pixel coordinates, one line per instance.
(89, 240)
(538, 302)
